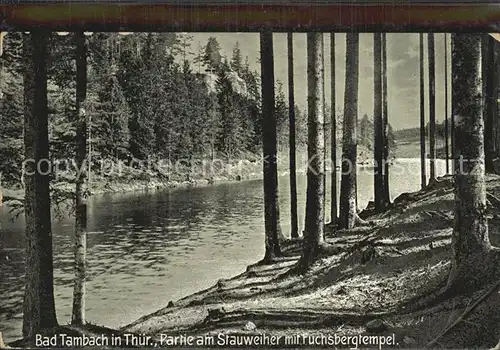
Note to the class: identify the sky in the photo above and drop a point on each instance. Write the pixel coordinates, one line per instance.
(402, 70)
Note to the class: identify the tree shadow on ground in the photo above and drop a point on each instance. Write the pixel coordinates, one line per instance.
(390, 259)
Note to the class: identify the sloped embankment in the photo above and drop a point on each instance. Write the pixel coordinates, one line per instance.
(385, 281)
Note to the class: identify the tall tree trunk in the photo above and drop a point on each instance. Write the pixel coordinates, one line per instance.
(2, 34)
(348, 212)
(490, 101)
(494, 100)
(291, 111)
(333, 135)
(315, 213)
(496, 48)
(484, 65)
(271, 210)
(38, 309)
(452, 127)
(446, 103)
(387, 197)
(470, 241)
(493, 105)
(432, 107)
(423, 175)
(323, 89)
(378, 151)
(78, 314)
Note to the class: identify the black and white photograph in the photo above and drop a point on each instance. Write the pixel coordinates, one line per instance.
(249, 189)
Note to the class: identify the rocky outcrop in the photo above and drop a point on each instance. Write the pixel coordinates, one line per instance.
(238, 84)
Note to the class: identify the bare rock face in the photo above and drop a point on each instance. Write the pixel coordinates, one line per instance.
(210, 80)
(238, 84)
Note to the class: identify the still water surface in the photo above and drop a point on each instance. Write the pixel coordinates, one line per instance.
(147, 248)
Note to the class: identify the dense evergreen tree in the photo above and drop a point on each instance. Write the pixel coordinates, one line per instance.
(184, 41)
(237, 60)
(11, 110)
(198, 59)
(212, 56)
(109, 113)
(281, 111)
(234, 129)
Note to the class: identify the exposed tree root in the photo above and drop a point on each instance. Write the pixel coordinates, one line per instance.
(495, 201)
(323, 250)
(434, 183)
(299, 318)
(271, 261)
(475, 271)
(368, 240)
(294, 240)
(326, 249)
(422, 302)
(362, 223)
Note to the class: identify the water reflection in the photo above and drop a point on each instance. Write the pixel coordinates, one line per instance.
(147, 248)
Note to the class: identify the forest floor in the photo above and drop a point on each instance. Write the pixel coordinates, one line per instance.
(386, 281)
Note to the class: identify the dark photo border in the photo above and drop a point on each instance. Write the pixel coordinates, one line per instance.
(252, 16)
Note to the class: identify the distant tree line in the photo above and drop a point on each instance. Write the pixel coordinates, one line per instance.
(365, 136)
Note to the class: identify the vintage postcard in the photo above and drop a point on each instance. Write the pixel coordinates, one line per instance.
(249, 174)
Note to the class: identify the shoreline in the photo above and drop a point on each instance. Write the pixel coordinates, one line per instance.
(106, 187)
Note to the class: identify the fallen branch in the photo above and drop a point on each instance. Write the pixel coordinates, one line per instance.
(292, 318)
(465, 314)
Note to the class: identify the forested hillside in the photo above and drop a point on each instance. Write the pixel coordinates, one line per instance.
(144, 102)
(147, 103)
